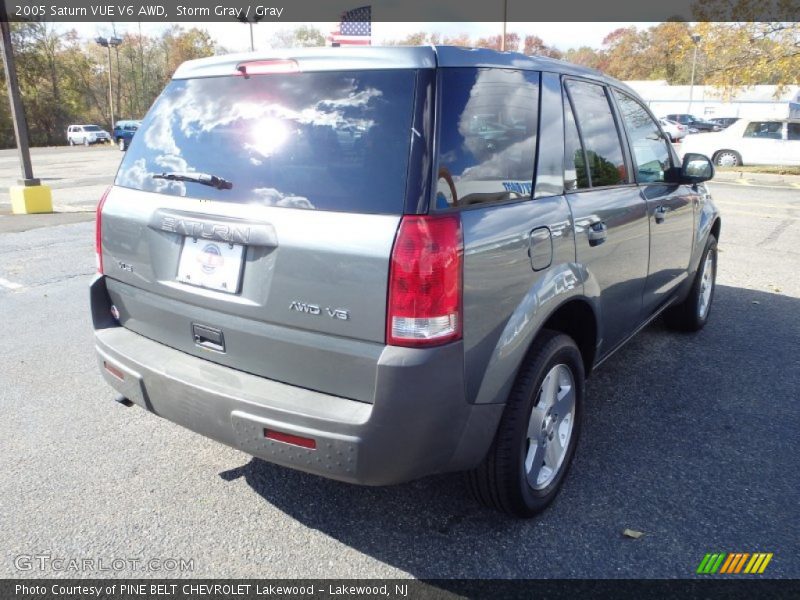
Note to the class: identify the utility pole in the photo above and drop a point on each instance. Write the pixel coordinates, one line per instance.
(29, 196)
(109, 43)
(696, 39)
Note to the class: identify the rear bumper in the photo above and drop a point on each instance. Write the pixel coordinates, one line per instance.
(418, 424)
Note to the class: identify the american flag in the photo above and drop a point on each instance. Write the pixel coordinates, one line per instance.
(355, 28)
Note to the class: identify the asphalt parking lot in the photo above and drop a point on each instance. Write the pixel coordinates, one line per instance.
(691, 439)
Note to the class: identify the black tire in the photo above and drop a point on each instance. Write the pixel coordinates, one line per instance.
(86, 141)
(500, 481)
(687, 315)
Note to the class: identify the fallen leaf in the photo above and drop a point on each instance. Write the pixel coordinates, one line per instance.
(632, 533)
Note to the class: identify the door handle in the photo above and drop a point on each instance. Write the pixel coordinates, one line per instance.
(597, 232)
(660, 214)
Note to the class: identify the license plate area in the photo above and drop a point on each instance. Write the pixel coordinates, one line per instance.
(210, 264)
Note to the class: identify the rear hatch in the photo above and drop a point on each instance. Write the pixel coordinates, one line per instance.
(252, 219)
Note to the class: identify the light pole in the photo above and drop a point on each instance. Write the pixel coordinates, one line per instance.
(696, 39)
(243, 19)
(30, 196)
(109, 43)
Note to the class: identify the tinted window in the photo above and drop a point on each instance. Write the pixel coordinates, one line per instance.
(574, 160)
(328, 141)
(794, 131)
(91, 128)
(650, 151)
(598, 133)
(488, 135)
(764, 129)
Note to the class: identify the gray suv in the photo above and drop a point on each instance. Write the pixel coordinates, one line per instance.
(376, 264)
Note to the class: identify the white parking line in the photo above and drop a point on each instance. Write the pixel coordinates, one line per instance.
(9, 285)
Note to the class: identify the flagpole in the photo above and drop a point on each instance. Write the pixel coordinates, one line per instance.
(505, 18)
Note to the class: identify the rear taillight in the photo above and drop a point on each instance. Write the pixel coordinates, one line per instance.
(98, 231)
(425, 282)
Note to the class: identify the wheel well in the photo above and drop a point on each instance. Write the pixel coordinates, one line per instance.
(576, 319)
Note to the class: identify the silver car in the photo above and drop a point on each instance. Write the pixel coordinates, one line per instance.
(376, 264)
(87, 134)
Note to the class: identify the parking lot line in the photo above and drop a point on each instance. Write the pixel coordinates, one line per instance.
(9, 285)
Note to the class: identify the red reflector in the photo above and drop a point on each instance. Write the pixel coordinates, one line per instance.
(425, 282)
(265, 67)
(98, 231)
(114, 371)
(288, 438)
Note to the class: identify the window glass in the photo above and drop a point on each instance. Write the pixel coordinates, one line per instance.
(487, 141)
(650, 151)
(599, 134)
(574, 161)
(332, 140)
(764, 129)
(794, 131)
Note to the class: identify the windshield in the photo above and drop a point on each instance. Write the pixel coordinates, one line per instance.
(91, 128)
(328, 140)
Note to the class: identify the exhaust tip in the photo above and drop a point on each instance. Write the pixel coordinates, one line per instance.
(123, 400)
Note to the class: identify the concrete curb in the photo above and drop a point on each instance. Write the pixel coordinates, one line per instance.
(747, 178)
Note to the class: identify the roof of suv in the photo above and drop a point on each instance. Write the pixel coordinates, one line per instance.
(389, 57)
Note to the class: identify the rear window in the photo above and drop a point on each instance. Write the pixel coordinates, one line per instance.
(329, 141)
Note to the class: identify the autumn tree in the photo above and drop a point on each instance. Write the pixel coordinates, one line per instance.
(304, 36)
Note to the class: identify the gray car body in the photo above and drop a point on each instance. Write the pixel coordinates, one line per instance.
(383, 414)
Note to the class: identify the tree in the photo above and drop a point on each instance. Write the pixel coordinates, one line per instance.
(743, 54)
(304, 36)
(534, 45)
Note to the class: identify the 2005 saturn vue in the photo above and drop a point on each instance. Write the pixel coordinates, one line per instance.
(375, 264)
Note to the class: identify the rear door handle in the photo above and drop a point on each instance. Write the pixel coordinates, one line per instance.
(597, 232)
(660, 214)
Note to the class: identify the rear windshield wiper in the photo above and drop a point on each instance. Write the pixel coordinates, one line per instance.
(202, 178)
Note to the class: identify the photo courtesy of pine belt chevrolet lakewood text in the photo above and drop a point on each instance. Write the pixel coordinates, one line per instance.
(377, 264)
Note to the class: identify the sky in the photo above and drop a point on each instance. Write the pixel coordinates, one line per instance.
(235, 37)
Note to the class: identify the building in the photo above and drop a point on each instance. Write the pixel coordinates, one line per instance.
(709, 102)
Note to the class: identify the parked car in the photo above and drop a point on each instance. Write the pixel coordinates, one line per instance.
(87, 134)
(674, 130)
(693, 122)
(751, 142)
(123, 133)
(401, 305)
(724, 122)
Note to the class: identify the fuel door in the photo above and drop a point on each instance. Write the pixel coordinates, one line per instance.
(540, 248)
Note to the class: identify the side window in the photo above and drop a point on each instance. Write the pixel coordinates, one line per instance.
(575, 177)
(651, 154)
(487, 142)
(764, 129)
(598, 133)
(794, 131)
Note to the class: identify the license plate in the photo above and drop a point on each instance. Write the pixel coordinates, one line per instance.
(212, 265)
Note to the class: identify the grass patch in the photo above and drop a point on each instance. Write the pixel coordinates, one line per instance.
(762, 169)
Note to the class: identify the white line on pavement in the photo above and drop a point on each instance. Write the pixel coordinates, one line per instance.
(9, 285)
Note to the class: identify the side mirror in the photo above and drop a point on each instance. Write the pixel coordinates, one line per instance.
(696, 168)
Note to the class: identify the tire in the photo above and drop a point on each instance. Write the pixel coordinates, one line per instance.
(692, 314)
(85, 141)
(509, 478)
(728, 158)
(71, 142)
(122, 145)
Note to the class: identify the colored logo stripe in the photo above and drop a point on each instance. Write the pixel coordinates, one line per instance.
(734, 563)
